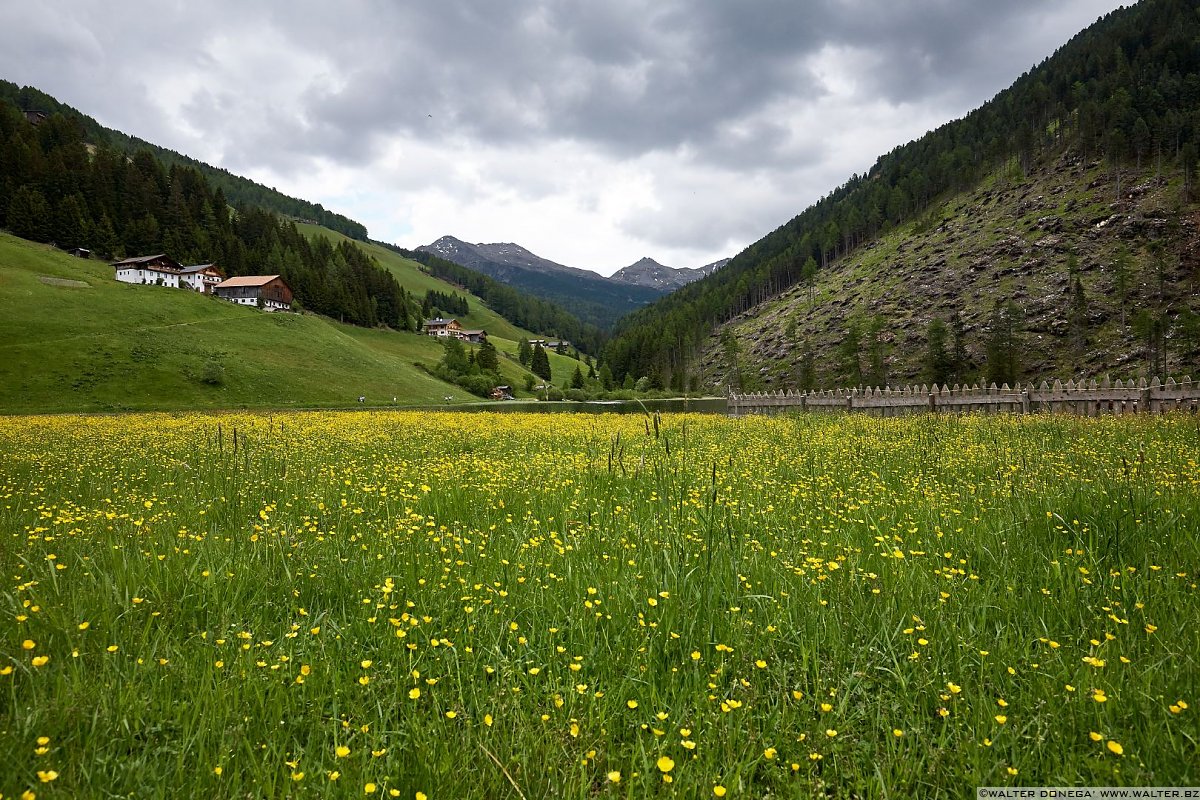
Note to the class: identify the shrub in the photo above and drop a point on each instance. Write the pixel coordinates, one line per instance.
(213, 373)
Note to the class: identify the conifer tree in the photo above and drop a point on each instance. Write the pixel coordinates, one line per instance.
(939, 365)
(486, 357)
(540, 363)
(1122, 275)
(732, 358)
(959, 358)
(806, 372)
(808, 276)
(70, 221)
(850, 356)
(606, 377)
(29, 215)
(1077, 312)
(1002, 347)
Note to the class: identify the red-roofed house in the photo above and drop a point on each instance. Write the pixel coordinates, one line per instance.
(269, 292)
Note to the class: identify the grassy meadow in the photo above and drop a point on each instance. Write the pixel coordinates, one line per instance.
(435, 605)
(74, 339)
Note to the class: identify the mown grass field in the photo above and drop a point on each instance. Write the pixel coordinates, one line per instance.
(435, 605)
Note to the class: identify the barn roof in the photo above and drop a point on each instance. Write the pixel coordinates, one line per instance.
(246, 280)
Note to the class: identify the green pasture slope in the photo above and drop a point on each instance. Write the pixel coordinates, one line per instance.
(74, 339)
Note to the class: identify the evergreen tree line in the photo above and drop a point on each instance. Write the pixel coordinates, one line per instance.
(1127, 89)
(239, 191)
(441, 304)
(522, 310)
(55, 188)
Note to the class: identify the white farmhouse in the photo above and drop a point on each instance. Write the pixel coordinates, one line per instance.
(443, 327)
(156, 270)
(201, 278)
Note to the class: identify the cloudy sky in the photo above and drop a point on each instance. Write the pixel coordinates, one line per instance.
(593, 132)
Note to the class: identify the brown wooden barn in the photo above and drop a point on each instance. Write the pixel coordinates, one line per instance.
(266, 291)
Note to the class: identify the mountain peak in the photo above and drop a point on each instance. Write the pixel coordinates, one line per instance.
(592, 297)
(647, 261)
(648, 272)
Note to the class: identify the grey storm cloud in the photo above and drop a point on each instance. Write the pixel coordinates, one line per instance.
(620, 76)
(709, 90)
(626, 77)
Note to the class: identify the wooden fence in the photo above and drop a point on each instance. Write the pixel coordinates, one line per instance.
(1085, 398)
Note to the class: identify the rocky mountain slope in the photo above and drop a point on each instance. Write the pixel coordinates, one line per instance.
(502, 258)
(1097, 283)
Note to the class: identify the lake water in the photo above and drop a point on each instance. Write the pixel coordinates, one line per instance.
(702, 405)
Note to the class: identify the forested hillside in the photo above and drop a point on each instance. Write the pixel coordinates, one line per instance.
(1030, 276)
(596, 300)
(1124, 93)
(238, 190)
(57, 187)
(70, 181)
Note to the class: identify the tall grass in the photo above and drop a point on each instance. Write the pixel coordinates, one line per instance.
(557, 606)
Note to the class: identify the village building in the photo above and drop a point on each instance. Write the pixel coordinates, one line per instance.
(201, 277)
(475, 337)
(443, 327)
(268, 292)
(550, 344)
(158, 270)
(450, 328)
